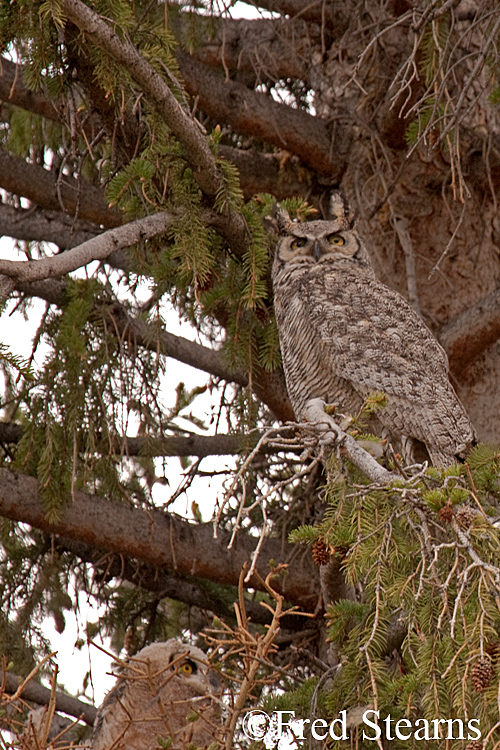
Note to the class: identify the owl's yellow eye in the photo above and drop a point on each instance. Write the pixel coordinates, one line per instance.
(336, 239)
(298, 242)
(187, 667)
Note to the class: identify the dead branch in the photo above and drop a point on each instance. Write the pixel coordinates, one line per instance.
(97, 248)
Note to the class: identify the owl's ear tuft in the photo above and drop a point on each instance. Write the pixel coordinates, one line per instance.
(339, 209)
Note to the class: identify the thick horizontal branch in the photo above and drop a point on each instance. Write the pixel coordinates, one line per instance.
(334, 14)
(259, 173)
(156, 538)
(270, 387)
(170, 445)
(37, 693)
(271, 173)
(13, 90)
(33, 224)
(260, 116)
(190, 591)
(97, 248)
(471, 332)
(56, 192)
(143, 334)
(265, 49)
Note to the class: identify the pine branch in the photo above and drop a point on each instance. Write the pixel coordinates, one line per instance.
(37, 693)
(191, 445)
(157, 538)
(14, 91)
(33, 224)
(259, 173)
(97, 248)
(56, 192)
(270, 387)
(261, 117)
(185, 128)
(335, 435)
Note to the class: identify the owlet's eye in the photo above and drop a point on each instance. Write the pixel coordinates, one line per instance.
(336, 239)
(187, 667)
(298, 242)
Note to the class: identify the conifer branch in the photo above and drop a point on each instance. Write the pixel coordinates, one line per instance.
(97, 248)
(34, 224)
(259, 172)
(355, 453)
(37, 693)
(170, 445)
(156, 538)
(268, 386)
(260, 116)
(56, 192)
(185, 127)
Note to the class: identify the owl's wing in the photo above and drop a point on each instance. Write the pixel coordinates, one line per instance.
(372, 337)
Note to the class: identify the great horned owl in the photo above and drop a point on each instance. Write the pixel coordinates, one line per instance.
(159, 691)
(344, 334)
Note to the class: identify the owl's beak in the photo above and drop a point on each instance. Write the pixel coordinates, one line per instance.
(316, 251)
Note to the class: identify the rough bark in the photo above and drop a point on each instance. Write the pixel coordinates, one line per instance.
(261, 117)
(37, 693)
(56, 192)
(45, 226)
(170, 445)
(253, 51)
(189, 590)
(156, 538)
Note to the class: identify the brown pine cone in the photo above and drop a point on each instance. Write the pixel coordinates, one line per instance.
(465, 516)
(475, 745)
(492, 648)
(320, 552)
(446, 513)
(341, 552)
(481, 673)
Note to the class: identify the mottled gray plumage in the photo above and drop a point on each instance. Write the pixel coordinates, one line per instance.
(344, 334)
(159, 689)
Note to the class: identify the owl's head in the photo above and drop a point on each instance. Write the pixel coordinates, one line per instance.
(319, 242)
(173, 662)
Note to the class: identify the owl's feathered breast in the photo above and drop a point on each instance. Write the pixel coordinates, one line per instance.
(352, 335)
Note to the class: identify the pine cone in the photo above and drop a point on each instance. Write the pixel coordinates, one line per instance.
(475, 745)
(446, 513)
(340, 552)
(465, 516)
(320, 552)
(481, 673)
(492, 648)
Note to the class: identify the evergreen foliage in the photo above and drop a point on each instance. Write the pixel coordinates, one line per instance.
(418, 634)
(425, 583)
